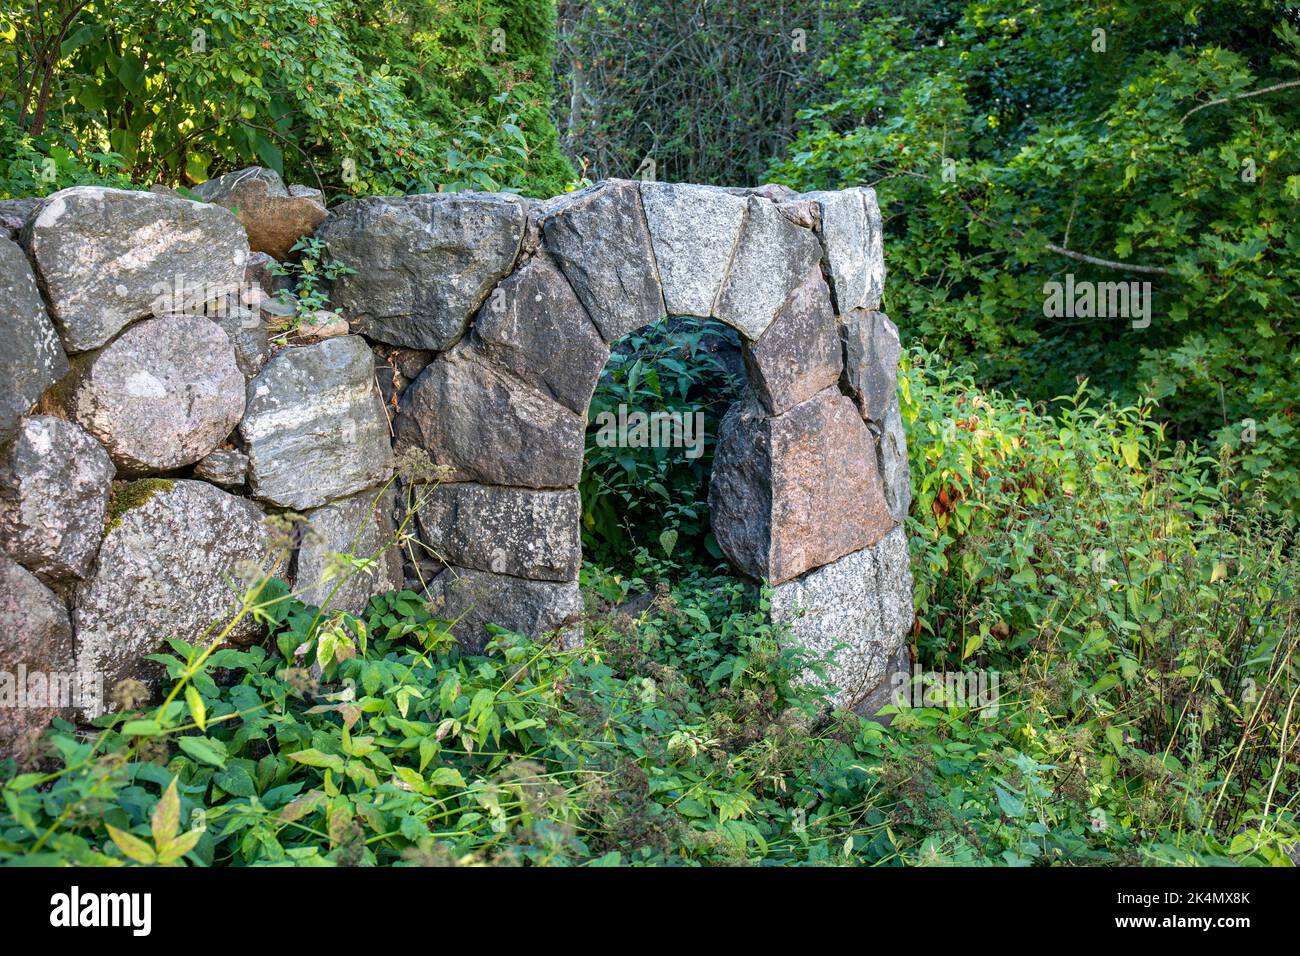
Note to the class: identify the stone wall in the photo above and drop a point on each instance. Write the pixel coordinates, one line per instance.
(151, 420)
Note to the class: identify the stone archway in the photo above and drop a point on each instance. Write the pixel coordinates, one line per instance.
(520, 301)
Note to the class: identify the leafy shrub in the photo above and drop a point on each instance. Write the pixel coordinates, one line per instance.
(636, 497)
(1145, 629)
(353, 96)
(1005, 145)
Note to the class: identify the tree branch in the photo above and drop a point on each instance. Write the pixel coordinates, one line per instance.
(1240, 96)
(1106, 263)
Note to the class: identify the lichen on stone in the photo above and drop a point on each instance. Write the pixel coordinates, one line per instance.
(132, 495)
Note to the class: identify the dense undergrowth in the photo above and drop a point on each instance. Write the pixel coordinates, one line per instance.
(1137, 625)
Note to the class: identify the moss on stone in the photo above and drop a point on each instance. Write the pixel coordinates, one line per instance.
(133, 495)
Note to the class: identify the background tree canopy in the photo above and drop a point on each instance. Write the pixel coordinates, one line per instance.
(1157, 137)
(355, 95)
(1012, 143)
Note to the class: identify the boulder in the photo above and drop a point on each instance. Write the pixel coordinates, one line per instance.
(315, 427)
(853, 614)
(274, 217)
(527, 534)
(226, 468)
(534, 327)
(246, 328)
(14, 214)
(772, 257)
(262, 272)
(482, 424)
(38, 679)
(891, 690)
(796, 491)
(55, 481)
(32, 359)
(165, 393)
(693, 230)
(424, 264)
(799, 354)
(474, 599)
(173, 564)
(600, 240)
(871, 353)
(895, 473)
(395, 369)
(360, 526)
(103, 256)
(850, 232)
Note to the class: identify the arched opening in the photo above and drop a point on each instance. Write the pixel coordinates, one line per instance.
(652, 428)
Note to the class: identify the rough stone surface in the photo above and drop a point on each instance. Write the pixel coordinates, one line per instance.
(799, 354)
(32, 359)
(857, 610)
(360, 526)
(894, 470)
(55, 481)
(104, 255)
(796, 491)
(226, 468)
(534, 327)
(474, 599)
(246, 329)
(528, 534)
(599, 238)
(850, 231)
(395, 369)
(274, 218)
(772, 257)
(165, 393)
(14, 213)
(871, 352)
(485, 425)
(424, 264)
(891, 689)
(168, 567)
(315, 427)
(693, 230)
(35, 652)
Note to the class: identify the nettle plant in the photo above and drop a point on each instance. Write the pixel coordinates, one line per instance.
(312, 275)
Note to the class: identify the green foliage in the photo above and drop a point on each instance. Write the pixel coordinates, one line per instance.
(1143, 637)
(1144, 631)
(312, 274)
(655, 497)
(1175, 149)
(354, 96)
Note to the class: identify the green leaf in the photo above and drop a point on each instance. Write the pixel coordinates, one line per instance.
(178, 847)
(315, 758)
(141, 728)
(134, 848)
(204, 749)
(197, 709)
(166, 819)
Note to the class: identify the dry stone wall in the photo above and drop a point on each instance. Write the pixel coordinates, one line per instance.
(150, 422)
